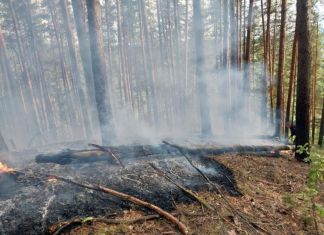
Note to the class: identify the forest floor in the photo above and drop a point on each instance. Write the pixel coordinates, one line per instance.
(270, 201)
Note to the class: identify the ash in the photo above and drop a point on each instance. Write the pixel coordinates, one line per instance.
(30, 202)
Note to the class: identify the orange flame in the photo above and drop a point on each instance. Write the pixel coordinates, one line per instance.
(4, 168)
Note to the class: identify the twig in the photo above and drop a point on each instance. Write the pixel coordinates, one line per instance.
(188, 159)
(182, 228)
(185, 190)
(67, 224)
(108, 150)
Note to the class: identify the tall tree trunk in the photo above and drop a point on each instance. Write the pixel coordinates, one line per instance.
(79, 12)
(246, 81)
(99, 73)
(291, 83)
(281, 64)
(272, 69)
(186, 46)
(71, 116)
(30, 97)
(227, 61)
(321, 132)
(314, 86)
(36, 67)
(264, 93)
(75, 70)
(148, 55)
(303, 76)
(198, 28)
(10, 86)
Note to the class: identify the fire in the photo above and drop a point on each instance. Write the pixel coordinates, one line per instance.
(52, 179)
(4, 168)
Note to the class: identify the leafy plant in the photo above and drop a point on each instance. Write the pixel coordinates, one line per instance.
(314, 178)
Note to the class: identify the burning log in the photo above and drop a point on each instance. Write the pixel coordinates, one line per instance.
(5, 169)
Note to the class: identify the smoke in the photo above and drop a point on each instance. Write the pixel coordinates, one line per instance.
(151, 81)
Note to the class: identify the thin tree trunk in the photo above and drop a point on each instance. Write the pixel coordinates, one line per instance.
(264, 93)
(79, 11)
(321, 132)
(186, 46)
(272, 73)
(99, 72)
(148, 50)
(36, 68)
(198, 28)
(75, 70)
(314, 86)
(281, 64)
(71, 116)
(291, 82)
(246, 82)
(30, 97)
(226, 64)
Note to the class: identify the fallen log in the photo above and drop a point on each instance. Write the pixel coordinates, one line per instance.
(182, 228)
(107, 153)
(217, 150)
(74, 156)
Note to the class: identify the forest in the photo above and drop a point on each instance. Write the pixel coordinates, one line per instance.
(165, 77)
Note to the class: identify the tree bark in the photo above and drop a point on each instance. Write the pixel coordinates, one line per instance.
(274, 40)
(291, 82)
(99, 73)
(264, 91)
(79, 12)
(198, 29)
(281, 64)
(303, 76)
(321, 132)
(314, 86)
(246, 82)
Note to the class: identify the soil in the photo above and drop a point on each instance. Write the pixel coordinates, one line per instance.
(270, 203)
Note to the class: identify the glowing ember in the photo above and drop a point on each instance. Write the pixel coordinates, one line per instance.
(4, 168)
(52, 179)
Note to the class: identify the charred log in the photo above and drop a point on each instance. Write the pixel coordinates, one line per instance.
(129, 153)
